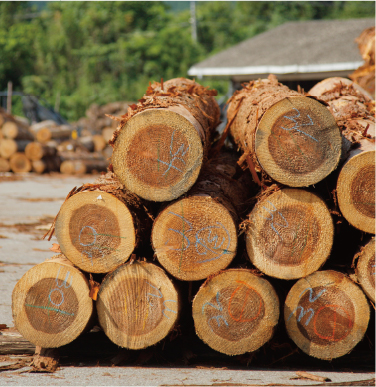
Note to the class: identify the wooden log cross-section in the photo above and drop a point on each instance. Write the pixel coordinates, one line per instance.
(137, 305)
(51, 304)
(196, 236)
(235, 311)
(162, 141)
(19, 163)
(289, 234)
(292, 138)
(365, 269)
(100, 224)
(326, 314)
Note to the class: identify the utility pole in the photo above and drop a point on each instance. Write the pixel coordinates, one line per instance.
(193, 21)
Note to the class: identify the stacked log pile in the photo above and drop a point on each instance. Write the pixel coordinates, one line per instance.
(172, 196)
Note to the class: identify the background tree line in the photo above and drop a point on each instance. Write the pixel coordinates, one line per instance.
(86, 52)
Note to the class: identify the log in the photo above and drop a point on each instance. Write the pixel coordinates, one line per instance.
(16, 131)
(292, 138)
(289, 234)
(235, 312)
(79, 167)
(137, 305)
(99, 142)
(47, 164)
(4, 165)
(356, 187)
(19, 163)
(36, 151)
(9, 147)
(326, 314)
(161, 142)
(107, 134)
(100, 224)
(47, 130)
(196, 236)
(365, 269)
(51, 304)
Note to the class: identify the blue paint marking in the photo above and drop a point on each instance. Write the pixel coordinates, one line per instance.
(297, 125)
(52, 309)
(217, 307)
(272, 218)
(160, 295)
(94, 234)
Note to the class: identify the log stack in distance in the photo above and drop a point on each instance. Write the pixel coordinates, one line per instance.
(196, 236)
(162, 141)
(137, 305)
(293, 138)
(365, 269)
(235, 311)
(99, 226)
(289, 234)
(51, 304)
(326, 314)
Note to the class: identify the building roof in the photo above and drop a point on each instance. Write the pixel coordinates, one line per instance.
(309, 48)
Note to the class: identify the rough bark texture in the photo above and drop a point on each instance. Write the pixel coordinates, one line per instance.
(326, 314)
(291, 138)
(289, 234)
(196, 236)
(161, 142)
(51, 304)
(137, 305)
(235, 311)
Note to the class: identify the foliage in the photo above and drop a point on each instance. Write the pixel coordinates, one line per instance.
(87, 52)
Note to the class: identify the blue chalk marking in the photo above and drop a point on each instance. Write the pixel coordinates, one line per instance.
(297, 125)
(52, 309)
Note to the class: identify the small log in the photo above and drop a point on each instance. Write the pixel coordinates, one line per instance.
(365, 269)
(4, 165)
(49, 130)
(19, 163)
(45, 360)
(162, 141)
(51, 304)
(99, 226)
(292, 138)
(36, 151)
(196, 236)
(16, 131)
(99, 142)
(9, 147)
(326, 314)
(137, 305)
(107, 134)
(235, 312)
(289, 234)
(79, 167)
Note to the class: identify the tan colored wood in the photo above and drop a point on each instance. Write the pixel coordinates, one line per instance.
(19, 163)
(16, 131)
(293, 139)
(99, 142)
(51, 304)
(356, 188)
(107, 152)
(365, 269)
(96, 231)
(4, 165)
(289, 234)
(50, 132)
(235, 312)
(77, 167)
(326, 314)
(47, 164)
(107, 134)
(7, 147)
(161, 143)
(36, 151)
(137, 305)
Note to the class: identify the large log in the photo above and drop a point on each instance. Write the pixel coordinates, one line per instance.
(196, 236)
(51, 304)
(292, 138)
(326, 314)
(162, 141)
(99, 225)
(9, 147)
(137, 305)
(235, 311)
(365, 269)
(289, 234)
(19, 163)
(16, 131)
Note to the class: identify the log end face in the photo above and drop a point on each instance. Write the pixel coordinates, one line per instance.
(298, 142)
(365, 270)
(158, 155)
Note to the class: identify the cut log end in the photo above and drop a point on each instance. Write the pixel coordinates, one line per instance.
(326, 314)
(194, 238)
(158, 154)
(356, 191)
(51, 304)
(137, 305)
(20, 163)
(298, 142)
(365, 269)
(95, 231)
(290, 234)
(235, 312)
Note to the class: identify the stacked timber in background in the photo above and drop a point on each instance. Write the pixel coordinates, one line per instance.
(165, 174)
